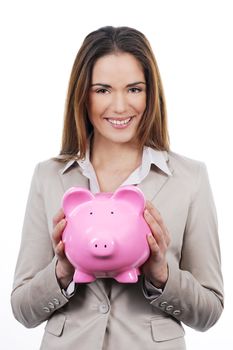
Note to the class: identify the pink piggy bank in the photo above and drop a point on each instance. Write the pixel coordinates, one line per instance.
(105, 234)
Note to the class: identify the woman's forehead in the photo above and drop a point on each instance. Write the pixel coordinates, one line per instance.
(115, 67)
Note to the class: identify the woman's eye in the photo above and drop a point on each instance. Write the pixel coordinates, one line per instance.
(102, 91)
(135, 90)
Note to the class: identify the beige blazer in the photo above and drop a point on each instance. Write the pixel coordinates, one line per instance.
(128, 319)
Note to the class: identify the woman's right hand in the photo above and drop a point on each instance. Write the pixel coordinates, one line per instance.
(64, 269)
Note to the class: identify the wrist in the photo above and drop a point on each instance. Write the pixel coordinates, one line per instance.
(157, 284)
(64, 282)
(62, 276)
(159, 280)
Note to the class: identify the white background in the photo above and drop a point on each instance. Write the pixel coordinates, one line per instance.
(192, 41)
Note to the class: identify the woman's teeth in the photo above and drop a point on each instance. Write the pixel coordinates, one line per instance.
(119, 122)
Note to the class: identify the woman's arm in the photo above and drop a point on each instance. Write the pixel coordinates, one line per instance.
(36, 291)
(193, 292)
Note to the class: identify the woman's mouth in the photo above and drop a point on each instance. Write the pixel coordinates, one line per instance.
(119, 123)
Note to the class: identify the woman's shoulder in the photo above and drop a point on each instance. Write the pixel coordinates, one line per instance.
(185, 165)
(184, 160)
(52, 166)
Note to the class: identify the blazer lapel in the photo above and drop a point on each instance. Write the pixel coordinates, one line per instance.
(72, 177)
(153, 183)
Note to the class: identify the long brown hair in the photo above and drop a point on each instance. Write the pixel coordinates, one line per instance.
(152, 130)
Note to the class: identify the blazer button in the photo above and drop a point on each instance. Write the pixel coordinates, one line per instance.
(169, 308)
(163, 304)
(103, 308)
(46, 309)
(51, 305)
(176, 312)
(56, 301)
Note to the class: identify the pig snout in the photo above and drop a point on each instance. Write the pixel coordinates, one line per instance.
(102, 247)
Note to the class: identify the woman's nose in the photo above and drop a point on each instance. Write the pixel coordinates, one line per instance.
(119, 103)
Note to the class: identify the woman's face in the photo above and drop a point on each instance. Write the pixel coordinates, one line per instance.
(117, 98)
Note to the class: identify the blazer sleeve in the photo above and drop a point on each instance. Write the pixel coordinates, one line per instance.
(194, 291)
(36, 292)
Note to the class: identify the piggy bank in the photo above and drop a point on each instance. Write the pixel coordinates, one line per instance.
(105, 234)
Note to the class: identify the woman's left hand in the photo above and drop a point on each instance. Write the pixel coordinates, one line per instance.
(156, 268)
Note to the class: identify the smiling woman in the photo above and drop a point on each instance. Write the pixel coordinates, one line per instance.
(102, 56)
(115, 134)
(116, 106)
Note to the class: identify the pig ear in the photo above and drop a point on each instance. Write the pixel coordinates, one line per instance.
(74, 197)
(132, 195)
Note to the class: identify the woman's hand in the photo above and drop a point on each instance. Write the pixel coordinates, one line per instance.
(64, 269)
(155, 268)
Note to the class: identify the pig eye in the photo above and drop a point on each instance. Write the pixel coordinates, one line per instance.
(112, 212)
(91, 212)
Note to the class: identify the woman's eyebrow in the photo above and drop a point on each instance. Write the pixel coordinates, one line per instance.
(109, 86)
(136, 83)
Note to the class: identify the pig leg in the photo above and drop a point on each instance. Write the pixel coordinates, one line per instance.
(129, 276)
(83, 277)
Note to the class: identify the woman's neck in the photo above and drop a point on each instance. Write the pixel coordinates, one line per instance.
(115, 156)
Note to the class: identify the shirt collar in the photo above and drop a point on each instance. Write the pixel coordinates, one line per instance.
(150, 155)
(158, 158)
(68, 165)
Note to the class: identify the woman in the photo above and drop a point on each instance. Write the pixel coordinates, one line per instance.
(115, 133)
